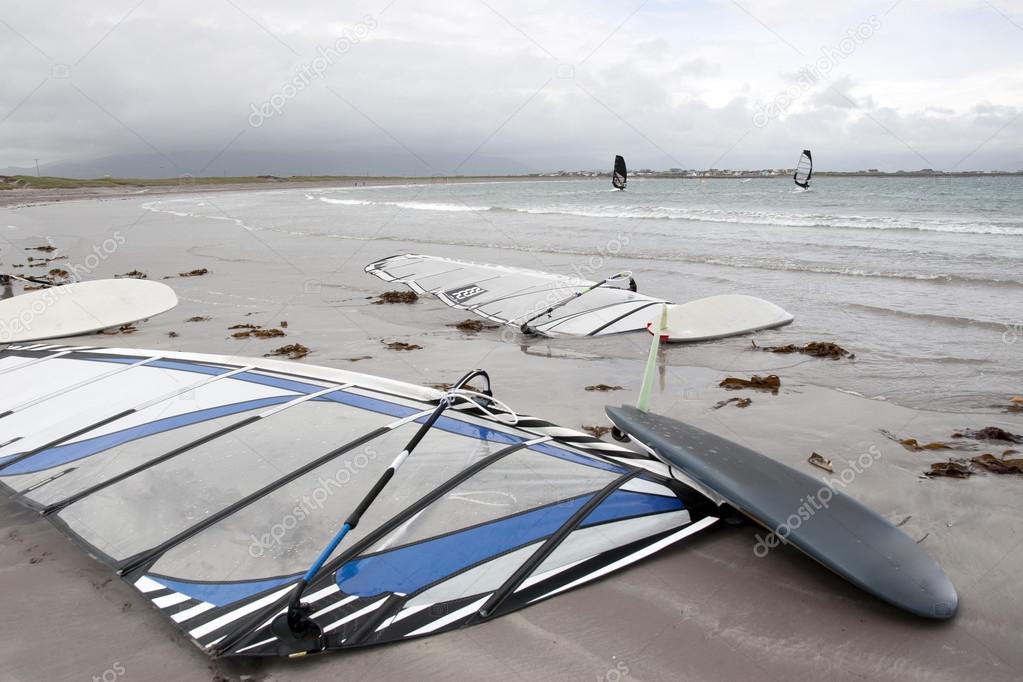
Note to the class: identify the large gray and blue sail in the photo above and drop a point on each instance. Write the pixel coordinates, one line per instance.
(211, 483)
(804, 170)
(620, 175)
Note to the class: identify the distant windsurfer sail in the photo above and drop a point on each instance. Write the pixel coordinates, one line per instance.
(620, 176)
(804, 170)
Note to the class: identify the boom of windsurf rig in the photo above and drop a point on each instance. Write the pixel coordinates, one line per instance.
(617, 277)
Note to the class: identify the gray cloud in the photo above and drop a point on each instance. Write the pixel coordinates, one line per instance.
(164, 89)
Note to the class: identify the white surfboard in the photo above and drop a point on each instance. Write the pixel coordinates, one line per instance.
(81, 308)
(717, 317)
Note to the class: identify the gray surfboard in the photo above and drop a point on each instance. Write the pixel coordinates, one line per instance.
(850, 539)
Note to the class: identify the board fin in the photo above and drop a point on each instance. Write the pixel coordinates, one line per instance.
(659, 334)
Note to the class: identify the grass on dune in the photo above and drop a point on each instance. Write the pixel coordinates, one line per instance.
(48, 182)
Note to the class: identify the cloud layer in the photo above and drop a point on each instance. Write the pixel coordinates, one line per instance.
(492, 85)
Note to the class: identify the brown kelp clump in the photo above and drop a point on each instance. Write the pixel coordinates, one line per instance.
(246, 331)
(1002, 465)
(396, 297)
(818, 349)
(471, 326)
(597, 431)
(292, 351)
(989, 433)
(738, 402)
(194, 273)
(769, 383)
(913, 445)
(953, 468)
(198, 272)
(401, 345)
(604, 387)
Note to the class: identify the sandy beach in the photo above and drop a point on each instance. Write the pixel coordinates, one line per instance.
(32, 196)
(709, 609)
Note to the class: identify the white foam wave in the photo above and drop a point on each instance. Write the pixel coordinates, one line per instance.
(738, 217)
(413, 205)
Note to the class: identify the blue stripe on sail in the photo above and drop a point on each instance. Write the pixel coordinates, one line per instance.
(71, 452)
(88, 447)
(406, 570)
(222, 594)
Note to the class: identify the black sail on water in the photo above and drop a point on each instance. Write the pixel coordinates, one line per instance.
(804, 170)
(620, 176)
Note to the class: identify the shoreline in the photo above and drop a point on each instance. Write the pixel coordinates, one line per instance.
(19, 197)
(37, 196)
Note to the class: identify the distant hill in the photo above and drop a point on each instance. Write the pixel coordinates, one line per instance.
(287, 163)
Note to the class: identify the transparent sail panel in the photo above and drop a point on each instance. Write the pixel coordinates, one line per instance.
(22, 386)
(517, 483)
(284, 532)
(153, 505)
(70, 412)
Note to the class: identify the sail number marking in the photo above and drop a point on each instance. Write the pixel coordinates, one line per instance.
(464, 293)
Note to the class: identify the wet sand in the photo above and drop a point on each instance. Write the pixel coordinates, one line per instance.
(708, 609)
(15, 198)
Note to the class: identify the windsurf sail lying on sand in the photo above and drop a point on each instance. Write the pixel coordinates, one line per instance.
(212, 483)
(513, 296)
(804, 170)
(620, 176)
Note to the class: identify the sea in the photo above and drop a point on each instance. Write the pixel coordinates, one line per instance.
(920, 278)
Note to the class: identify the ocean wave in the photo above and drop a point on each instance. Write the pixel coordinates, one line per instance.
(951, 320)
(847, 271)
(347, 202)
(413, 205)
(156, 207)
(739, 217)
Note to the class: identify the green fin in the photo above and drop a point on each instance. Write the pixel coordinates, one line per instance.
(643, 402)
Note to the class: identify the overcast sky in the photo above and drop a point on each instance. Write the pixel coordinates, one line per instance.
(541, 85)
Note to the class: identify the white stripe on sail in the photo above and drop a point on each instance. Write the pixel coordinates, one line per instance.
(231, 617)
(632, 558)
(450, 618)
